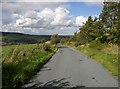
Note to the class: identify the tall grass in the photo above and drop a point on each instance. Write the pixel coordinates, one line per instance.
(21, 62)
(106, 54)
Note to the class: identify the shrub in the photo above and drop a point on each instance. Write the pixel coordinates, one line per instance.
(16, 73)
(55, 39)
(96, 45)
(46, 47)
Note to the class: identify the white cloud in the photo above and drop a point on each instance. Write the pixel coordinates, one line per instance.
(62, 17)
(47, 13)
(16, 16)
(93, 3)
(45, 21)
(16, 7)
(31, 14)
(0, 15)
(35, 1)
(40, 16)
(80, 20)
(11, 28)
(40, 31)
(24, 22)
(47, 18)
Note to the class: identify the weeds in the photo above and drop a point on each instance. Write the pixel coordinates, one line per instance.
(106, 54)
(25, 64)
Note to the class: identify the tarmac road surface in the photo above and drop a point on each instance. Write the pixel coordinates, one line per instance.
(70, 68)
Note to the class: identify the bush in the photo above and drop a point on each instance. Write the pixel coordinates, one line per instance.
(16, 73)
(81, 42)
(55, 39)
(46, 47)
(96, 45)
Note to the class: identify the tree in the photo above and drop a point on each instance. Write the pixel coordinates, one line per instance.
(110, 14)
(110, 17)
(55, 39)
(105, 29)
(85, 35)
(42, 40)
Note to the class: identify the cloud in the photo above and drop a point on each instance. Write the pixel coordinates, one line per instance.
(35, 1)
(80, 20)
(47, 21)
(24, 22)
(16, 16)
(31, 14)
(20, 7)
(94, 3)
(57, 0)
(40, 31)
(8, 8)
(62, 17)
(40, 18)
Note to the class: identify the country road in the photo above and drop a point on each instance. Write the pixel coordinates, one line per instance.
(70, 68)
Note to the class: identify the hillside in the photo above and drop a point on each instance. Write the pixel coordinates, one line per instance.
(9, 38)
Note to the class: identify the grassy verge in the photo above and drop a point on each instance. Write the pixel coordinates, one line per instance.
(20, 62)
(106, 54)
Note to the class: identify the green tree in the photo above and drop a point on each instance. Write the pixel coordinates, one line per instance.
(105, 29)
(55, 39)
(110, 17)
(85, 35)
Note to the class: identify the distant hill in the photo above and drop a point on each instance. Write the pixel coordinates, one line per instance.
(20, 38)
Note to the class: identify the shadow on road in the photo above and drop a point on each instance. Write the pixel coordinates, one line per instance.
(55, 84)
(45, 68)
(62, 47)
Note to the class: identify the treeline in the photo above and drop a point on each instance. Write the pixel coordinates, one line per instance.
(99, 37)
(105, 28)
(10, 38)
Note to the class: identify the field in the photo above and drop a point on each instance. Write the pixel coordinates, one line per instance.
(106, 54)
(20, 62)
(9, 38)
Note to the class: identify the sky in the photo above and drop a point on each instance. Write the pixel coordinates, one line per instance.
(47, 18)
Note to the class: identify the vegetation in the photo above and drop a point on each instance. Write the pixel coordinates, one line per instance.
(99, 37)
(106, 54)
(21, 58)
(9, 38)
(20, 62)
(55, 39)
(104, 29)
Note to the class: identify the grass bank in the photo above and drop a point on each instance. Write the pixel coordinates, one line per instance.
(20, 62)
(106, 54)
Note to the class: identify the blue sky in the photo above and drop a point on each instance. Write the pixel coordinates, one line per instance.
(47, 18)
(84, 9)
